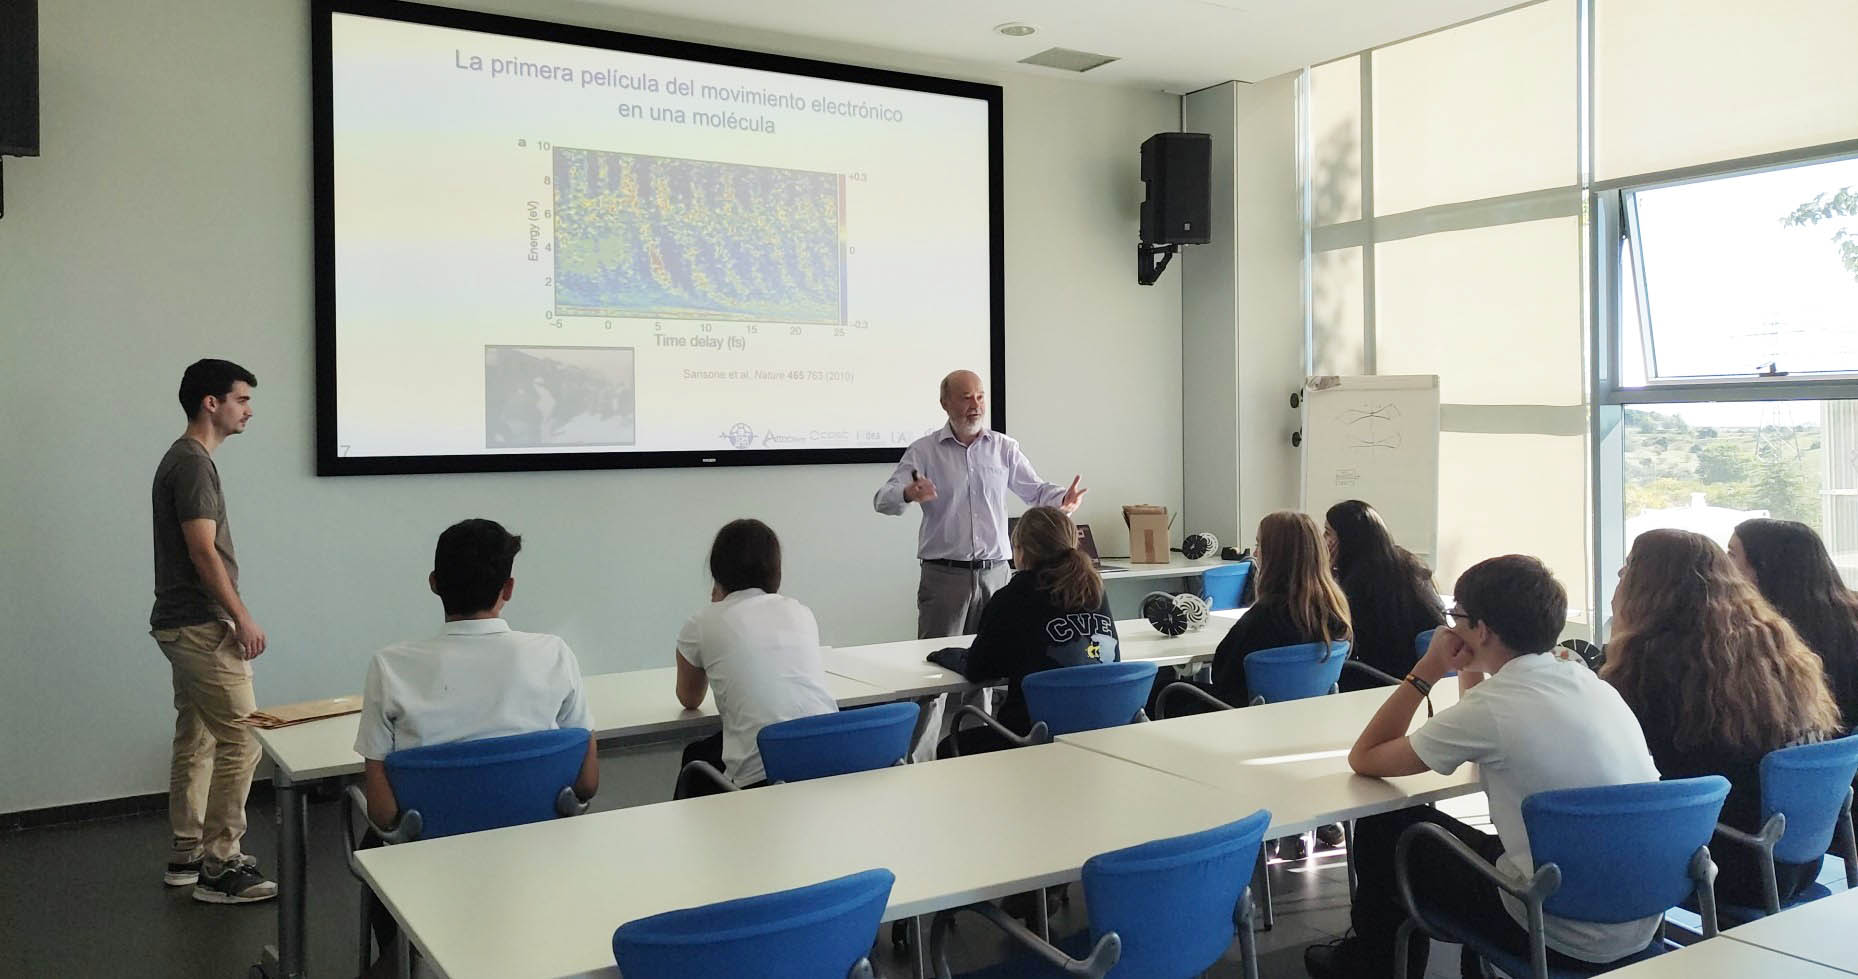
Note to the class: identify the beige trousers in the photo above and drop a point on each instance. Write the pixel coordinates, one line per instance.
(214, 753)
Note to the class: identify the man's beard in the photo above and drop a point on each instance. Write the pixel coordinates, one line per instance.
(968, 429)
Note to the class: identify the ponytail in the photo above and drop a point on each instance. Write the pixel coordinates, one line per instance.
(1047, 541)
(1072, 581)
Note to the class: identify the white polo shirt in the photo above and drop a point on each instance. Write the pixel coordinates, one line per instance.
(761, 653)
(475, 679)
(1538, 724)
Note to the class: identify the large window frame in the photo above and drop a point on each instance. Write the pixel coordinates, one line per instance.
(1613, 243)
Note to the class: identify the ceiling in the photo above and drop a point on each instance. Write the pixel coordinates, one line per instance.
(1172, 45)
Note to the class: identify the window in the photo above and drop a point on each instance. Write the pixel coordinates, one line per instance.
(1750, 276)
(1706, 467)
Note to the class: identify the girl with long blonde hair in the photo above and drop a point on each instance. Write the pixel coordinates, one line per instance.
(1718, 679)
(1298, 601)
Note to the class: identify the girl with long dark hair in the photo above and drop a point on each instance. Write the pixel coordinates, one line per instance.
(1789, 564)
(1390, 595)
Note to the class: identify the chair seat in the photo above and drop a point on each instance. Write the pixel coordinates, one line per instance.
(1451, 929)
(1020, 965)
(1730, 915)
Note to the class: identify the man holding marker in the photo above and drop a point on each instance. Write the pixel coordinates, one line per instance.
(960, 475)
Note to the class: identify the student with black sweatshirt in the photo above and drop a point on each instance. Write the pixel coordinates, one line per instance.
(1052, 614)
(1390, 595)
(1718, 679)
(1788, 562)
(1298, 602)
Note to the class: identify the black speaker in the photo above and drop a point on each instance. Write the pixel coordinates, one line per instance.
(19, 77)
(1178, 171)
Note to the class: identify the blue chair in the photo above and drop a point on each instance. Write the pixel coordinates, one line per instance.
(1224, 584)
(1070, 699)
(821, 931)
(1308, 669)
(1161, 910)
(1612, 853)
(1423, 642)
(836, 743)
(1806, 805)
(465, 787)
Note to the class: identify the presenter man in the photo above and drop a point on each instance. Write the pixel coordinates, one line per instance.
(210, 639)
(960, 475)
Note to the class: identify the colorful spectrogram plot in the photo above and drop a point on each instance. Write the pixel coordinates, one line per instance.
(656, 237)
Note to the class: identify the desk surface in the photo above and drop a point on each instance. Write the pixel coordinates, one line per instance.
(1819, 931)
(639, 703)
(903, 669)
(1722, 958)
(1177, 567)
(1291, 758)
(513, 903)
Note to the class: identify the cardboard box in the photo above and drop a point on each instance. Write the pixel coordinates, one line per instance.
(1148, 533)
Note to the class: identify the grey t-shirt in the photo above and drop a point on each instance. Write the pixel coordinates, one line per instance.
(187, 488)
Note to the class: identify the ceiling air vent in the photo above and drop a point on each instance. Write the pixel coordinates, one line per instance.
(1065, 59)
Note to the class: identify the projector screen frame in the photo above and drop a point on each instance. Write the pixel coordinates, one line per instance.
(330, 461)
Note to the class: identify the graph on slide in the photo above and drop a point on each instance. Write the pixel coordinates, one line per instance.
(657, 237)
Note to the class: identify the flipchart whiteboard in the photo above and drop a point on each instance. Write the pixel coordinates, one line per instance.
(1376, 439)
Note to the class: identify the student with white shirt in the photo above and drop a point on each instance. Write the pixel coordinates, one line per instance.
(1532, 722)
(756, 648)
(477, 678)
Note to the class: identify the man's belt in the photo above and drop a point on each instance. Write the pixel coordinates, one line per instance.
(964, 565)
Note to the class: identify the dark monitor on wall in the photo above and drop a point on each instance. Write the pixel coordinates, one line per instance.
(19, 78)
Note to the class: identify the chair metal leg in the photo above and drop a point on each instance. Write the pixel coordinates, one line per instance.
(1261, 883)
(367, 929)
(1043, 918)
(1348, 846)
(1403, 937)
(1248, 939)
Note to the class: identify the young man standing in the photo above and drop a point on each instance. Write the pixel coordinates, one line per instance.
(210, 639)
(1532, 722)
(477, 678)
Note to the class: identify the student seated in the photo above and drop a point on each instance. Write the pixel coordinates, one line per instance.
(1297, 602)
(1535, 723)
(1718, 680)
(1789, 563)
(1052, 614)
(1390, 595)
(758, 649)
(477, 678)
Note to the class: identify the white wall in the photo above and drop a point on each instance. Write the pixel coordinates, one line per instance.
(169, 219)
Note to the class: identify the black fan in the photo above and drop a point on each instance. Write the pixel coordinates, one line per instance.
(1159, 609)
(1196, 546)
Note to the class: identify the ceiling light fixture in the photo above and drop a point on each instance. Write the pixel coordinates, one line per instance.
(1015, 29)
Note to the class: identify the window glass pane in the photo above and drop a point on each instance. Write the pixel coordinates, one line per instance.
(1335, 311)
(1708, 467)
(1335, 141)
(1514, 494)
(1743, 272)
(1495, 312)
(1683, 82)
(1480, 110)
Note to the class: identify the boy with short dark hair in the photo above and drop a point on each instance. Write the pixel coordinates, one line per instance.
(477, 678)
(1532, 722)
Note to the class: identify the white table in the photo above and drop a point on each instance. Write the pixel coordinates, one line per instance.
(903, 667)
(1290, 758)
(627, 708)
(1723, 958)
(1119, 568)
(1824, 932)
(543, 900)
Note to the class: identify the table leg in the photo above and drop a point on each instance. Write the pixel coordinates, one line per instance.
(924, 710)
(919, 947)
(286, 959)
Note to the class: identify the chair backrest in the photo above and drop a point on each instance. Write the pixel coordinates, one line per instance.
(1089, 696)
(837, 743)
(1172, 901)
(1808, 783)
(468, 786)
(1624, 850)
(815, 932)
(1224, 584)
(1423, 642)
(1307, 669)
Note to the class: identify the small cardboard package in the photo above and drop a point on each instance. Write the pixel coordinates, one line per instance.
(1148, 533)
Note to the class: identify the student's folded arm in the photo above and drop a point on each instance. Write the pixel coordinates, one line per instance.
(1383, 749)
(692, 683)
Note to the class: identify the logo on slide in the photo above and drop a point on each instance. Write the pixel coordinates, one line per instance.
(740, 436)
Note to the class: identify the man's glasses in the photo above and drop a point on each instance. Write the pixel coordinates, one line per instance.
(1459, 617)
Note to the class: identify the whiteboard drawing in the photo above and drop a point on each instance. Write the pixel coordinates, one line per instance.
(1372, 426)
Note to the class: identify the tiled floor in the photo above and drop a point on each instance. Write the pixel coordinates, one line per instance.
(84, 900)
